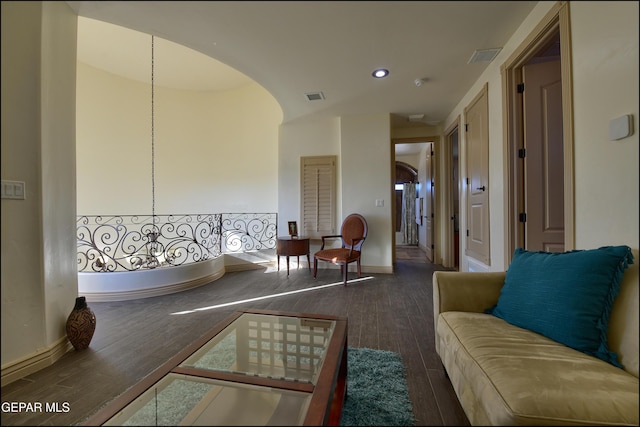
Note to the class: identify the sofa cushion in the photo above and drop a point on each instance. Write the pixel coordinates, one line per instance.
(565, 296)
(509, 375)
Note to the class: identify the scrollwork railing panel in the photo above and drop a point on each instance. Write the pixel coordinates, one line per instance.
(134, 242)
(248, 232)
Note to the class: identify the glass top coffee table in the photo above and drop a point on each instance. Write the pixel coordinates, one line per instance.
(257, 367)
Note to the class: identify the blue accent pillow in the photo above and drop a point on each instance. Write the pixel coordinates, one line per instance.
(565, 296)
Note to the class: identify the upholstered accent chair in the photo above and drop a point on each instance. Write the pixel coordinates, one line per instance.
(352, 233)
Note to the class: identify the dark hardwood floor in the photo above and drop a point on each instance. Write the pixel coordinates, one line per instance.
(385, 311)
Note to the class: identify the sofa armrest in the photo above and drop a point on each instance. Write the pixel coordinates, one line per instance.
(465, 291)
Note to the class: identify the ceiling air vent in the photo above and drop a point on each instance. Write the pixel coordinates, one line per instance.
(486, 55)
(314, 96)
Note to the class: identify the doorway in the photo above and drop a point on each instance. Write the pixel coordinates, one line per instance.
(413, 151)
(539, 146)
(453, 189)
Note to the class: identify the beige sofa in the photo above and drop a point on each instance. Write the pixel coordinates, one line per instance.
(507, 375)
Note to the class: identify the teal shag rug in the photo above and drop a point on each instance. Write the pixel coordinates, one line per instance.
(377, 393)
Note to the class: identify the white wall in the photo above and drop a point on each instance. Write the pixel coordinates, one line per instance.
(319, 137)
(605, 79)
(39, 277)
(411, 159)
(362, 145)
(366, 177)
(215, 152)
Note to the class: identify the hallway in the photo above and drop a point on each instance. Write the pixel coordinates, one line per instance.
(411, 253)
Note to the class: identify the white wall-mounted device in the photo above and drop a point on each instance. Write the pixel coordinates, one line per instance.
(621, 127)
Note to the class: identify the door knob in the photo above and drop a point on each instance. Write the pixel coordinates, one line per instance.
(480, 188)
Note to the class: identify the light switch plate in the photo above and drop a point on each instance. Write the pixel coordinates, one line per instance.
(621, 127)
(13, 190)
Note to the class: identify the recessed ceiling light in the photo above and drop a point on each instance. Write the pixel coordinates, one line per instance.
(380, 73)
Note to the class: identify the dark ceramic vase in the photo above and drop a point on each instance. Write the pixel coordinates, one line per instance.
(81, 324)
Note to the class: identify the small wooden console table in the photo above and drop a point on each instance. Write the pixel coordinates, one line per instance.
(293, 246)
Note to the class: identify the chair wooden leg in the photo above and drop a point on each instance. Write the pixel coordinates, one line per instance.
(346, 269)
(315, 267)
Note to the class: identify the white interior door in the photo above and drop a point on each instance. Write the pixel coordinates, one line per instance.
(477, 141)
(543, 157)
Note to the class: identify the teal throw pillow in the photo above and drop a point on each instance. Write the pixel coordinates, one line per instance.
(565, 296)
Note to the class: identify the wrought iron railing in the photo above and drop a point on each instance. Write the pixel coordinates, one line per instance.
(133, 242)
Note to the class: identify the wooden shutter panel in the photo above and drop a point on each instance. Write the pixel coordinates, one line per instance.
(318, 177)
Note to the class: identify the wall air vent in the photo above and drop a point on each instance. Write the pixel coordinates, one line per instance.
(314, 96)
(486, 55)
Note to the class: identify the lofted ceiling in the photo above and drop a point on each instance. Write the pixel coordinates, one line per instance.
(292, 48)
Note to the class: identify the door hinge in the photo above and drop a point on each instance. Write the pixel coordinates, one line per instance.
(466, 127)
(432, 152)
(467, 181)
(432, 247)
(522, 217)
(521, 88)
(467, 233)
(522, 152)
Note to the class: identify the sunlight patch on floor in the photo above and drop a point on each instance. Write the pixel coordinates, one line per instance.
(213, 307)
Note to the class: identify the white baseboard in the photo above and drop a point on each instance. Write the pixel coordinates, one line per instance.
(475, 265)
(34, 362)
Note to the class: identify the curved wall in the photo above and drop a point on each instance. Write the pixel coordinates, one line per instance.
(201, 142)
(127, 285)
